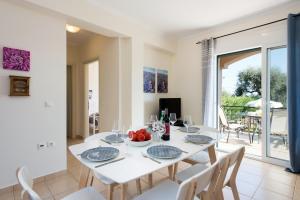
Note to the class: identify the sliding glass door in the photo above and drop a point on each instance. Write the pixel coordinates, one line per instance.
(276, 106)
(252, 90)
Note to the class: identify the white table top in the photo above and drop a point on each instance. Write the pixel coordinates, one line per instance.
(135, 165)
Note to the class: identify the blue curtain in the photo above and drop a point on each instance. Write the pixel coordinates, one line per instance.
(294, 90)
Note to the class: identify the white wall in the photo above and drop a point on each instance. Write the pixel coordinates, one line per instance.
(25, 121)
(159, 59)
(188, 56)
(104, 49)
(101, 21)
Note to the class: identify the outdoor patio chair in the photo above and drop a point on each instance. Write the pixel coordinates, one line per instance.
(279, 124)
(225, 125)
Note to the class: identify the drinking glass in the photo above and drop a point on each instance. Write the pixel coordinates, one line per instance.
(173, 118)
(126, 137)
(187, 122)
(116, 128)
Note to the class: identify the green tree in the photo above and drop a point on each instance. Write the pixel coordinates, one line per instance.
(249, 84)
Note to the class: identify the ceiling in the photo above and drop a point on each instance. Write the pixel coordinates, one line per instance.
(182, 16)
(80, 37)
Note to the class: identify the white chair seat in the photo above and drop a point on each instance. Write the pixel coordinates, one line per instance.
(88, 193)
(200, 157)
(167, 190)
(236, 126)
(103, 179)
(189, 172)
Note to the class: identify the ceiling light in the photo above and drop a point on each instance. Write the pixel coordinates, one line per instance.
(72, 29)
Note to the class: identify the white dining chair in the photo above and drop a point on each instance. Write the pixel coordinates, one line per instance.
(107, 181)
(26, 182)
(229, 166)
(170, 190)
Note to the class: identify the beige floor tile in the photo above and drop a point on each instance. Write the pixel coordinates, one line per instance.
(75, 172)
(61, 184)
(246, 189)
(263, 194)
(65, 193)
(40, 188)
(296, 194)
(249, 178)
(278, 187)
(229, 196)
(288, 179)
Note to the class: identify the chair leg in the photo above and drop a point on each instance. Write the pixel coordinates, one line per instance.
(138, 186)
(250, 138)
(234, 190)
(92, 180)
(228, 136)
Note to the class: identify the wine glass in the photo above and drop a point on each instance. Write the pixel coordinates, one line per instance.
(153, 118)
(173, 118)
(187, 122)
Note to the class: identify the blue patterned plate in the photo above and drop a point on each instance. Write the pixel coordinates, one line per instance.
(100, 154)
(189, 130)
(198, 139)
(164, 152)
(114, 138)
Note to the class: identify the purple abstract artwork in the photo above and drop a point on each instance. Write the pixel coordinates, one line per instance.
(16, 59)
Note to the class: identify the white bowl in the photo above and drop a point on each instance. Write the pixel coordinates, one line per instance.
(140, 144)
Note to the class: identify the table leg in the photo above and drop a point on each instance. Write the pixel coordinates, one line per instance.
(212, 154)
(150, 180)
(170, 169)
(175, 171)
(138, 186)
(84, 177)
(123, 191)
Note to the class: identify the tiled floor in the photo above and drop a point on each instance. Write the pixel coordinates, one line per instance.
(277, 148)
(256, 180)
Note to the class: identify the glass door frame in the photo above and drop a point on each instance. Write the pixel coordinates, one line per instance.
(266, 122)
(265, 83)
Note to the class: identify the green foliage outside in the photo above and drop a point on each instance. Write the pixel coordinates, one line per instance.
(249, 89)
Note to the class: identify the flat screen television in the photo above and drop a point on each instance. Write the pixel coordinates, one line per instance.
(172, 104)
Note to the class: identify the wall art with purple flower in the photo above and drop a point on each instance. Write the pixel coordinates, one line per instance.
(16, 59)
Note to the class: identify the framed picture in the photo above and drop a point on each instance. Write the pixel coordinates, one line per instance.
(149, 80)
(162, 81)
(16, 59)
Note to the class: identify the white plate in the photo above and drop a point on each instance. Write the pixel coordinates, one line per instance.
(139, 144)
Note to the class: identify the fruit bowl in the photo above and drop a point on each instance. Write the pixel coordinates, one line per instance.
(139, 138)
(139, 143)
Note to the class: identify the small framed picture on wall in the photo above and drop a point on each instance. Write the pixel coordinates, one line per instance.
(162, 81)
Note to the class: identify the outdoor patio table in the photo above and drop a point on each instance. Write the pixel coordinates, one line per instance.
(135, 165)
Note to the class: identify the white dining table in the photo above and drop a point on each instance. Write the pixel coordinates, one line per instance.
(135, 165)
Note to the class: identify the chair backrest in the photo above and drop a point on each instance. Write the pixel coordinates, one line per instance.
(186, 190)
(279, 122)
(198, 183)
(207, 179)
(235, 159)
(26, 183)
(222, 117)
(223, 168)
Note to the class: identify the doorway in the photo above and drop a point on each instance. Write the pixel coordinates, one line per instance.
(93, 96)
